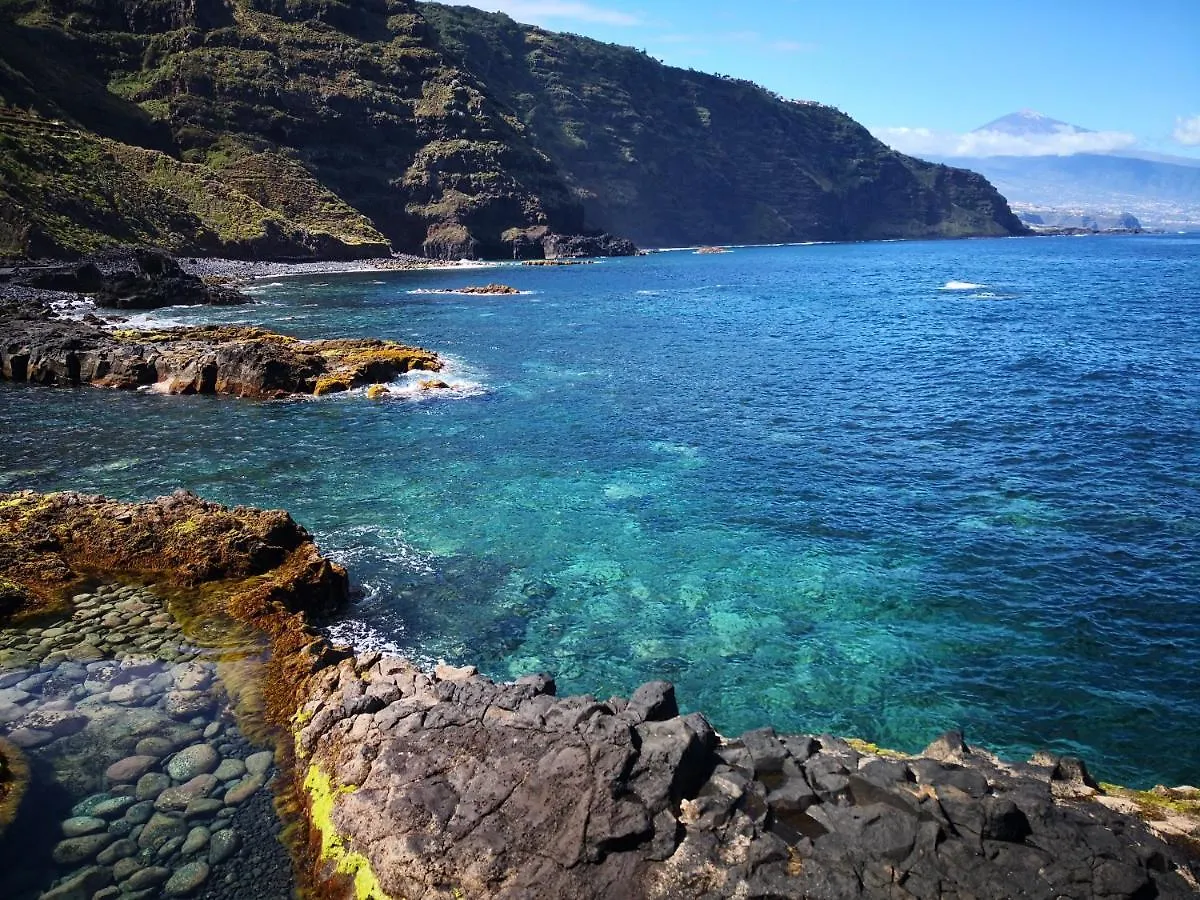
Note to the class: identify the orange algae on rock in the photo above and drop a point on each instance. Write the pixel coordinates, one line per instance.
(14, 778)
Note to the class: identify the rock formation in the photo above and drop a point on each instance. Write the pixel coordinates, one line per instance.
(39, 347)
(502, 289)
(445, 784)
(129, 278)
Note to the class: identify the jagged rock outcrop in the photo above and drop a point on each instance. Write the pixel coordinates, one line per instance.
(263, 128)
(38, 347)
(451, 785)
(49, 543)
(130, 278)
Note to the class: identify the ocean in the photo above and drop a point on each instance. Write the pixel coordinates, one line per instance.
(881, 490)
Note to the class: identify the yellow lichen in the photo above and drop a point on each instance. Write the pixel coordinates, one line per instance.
(377, 392)
(331, 384)
(1159, 801)
(322, 794)
(874, 749)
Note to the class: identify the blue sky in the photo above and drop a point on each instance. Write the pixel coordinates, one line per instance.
(927, 71)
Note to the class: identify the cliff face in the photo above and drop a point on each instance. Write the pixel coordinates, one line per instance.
(324, 128)
(668, 156)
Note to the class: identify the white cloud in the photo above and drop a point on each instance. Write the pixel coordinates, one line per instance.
(792, 46)
(1187, 131)
(539, 12)
(1063, 142)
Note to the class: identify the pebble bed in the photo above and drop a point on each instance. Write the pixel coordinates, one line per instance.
(142, 785)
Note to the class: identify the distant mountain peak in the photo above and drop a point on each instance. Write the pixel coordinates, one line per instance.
(1030, 122)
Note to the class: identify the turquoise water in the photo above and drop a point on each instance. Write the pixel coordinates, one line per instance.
(808, 484)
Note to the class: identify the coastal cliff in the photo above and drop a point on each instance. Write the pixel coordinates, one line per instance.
(674, 157)
(428, 784)
(254, 128)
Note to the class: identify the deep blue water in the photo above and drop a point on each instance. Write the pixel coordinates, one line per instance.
(807, 484)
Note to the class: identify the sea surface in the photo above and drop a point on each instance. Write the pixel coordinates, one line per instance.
(881, 490)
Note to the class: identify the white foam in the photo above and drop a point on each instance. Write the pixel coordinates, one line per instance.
(416, 386)
(457, 292)
(961, 286)
(368, 540)
(362, 637)
(262, 288)
(150, 322)
(413, 387)
(74, 309)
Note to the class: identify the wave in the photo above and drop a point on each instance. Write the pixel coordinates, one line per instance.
(72, 308)
(454, 292)
(362, 637)
(456, 381)
(352, 546)
(262, 288)
(151, 322)
(961, 286)
(417, 387)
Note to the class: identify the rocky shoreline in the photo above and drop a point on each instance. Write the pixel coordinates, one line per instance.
(41, 345)
(444, 784)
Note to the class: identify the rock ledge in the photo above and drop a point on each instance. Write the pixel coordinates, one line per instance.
(449, 785)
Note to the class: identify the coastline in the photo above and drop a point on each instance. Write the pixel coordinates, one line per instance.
(249, 271)
(405, 782)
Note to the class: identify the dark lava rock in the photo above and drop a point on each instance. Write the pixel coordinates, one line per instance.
(38, 347)
(507, 791)
(131, 279)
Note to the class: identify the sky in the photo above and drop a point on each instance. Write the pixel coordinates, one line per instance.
(921, 74)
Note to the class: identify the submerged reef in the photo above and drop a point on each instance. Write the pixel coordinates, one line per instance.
(40, 347)
(429, 784)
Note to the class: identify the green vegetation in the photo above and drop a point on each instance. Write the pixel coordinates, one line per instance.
(291, 128)
(668, 156)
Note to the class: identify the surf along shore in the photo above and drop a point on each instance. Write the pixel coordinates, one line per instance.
(397, 782)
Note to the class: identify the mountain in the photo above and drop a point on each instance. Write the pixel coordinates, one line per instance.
(672, 157)
(302, 128)
(1088, 188)
(1029, 122)
(1067, 189)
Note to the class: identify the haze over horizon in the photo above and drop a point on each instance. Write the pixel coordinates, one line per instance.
(923, 76)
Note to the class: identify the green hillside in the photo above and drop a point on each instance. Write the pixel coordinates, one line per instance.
(300, 128)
